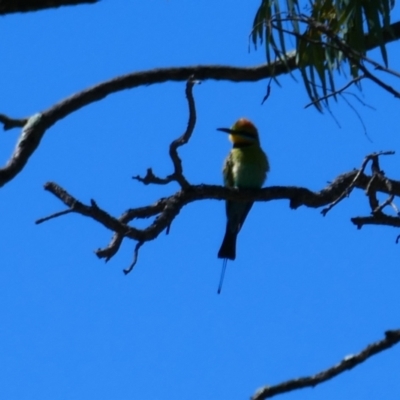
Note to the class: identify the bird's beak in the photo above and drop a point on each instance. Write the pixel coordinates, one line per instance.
(226, 130)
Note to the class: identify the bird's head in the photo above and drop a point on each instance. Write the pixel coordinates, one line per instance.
(242, 132)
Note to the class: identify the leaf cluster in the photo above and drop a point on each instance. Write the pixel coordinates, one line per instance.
(326, 34)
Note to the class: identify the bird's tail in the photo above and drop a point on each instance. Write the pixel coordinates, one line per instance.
(227, 251)
(228, 246)
(221, 279)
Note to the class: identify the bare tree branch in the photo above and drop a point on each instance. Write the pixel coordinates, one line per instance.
(135, 257)
(14, 6)
(49, 117)
(10, 123)
(378, 81)
(142, 212)
(93, 211)
(380, 219)
(349, 362)
(348, 190)
(55, 215)
(28, 141)
(177, 175)
(166, 209)
(216, 72)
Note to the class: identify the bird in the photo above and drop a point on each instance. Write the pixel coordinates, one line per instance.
(245, 167)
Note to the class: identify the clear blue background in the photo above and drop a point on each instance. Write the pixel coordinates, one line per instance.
(304, 291)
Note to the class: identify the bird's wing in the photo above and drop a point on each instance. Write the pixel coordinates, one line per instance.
(227, 171)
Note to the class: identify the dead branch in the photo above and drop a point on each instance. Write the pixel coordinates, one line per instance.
(177, 175)
(135, 257)
(51, 216)
(49, 117)
(380, 219)
(92, 211)
(378, 81)
(349, 362)
(142, 212)
(166, 209)
(14, 6)
(346, 193)
(31, 135)
(10, 123)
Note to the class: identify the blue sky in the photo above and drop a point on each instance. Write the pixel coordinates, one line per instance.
(304, 291)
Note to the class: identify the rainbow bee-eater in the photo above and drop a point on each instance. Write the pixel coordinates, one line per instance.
(245, 167)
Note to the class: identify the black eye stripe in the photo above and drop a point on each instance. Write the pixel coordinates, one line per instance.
(240, 145)
(245, 133)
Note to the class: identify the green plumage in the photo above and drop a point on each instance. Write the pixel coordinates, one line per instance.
(245, 167)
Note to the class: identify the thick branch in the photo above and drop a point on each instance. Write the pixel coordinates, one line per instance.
(14, 6)
(98, 92)
(216, 72)
(349, 362)
(168, 208)
(29, 140)
(379, 219)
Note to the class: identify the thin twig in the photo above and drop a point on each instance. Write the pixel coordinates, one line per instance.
(376, 170)
(268, 92)
(55, 215)
(151, 178)
(334, 117)
(359, 100)
(349, 362)
(181, 141)
(379, 82)
(177, 175)
(339, 44)
(387, 202)
(359, 118)
(135, 258)
(348, 190)
(336, 92)
(93, 211)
